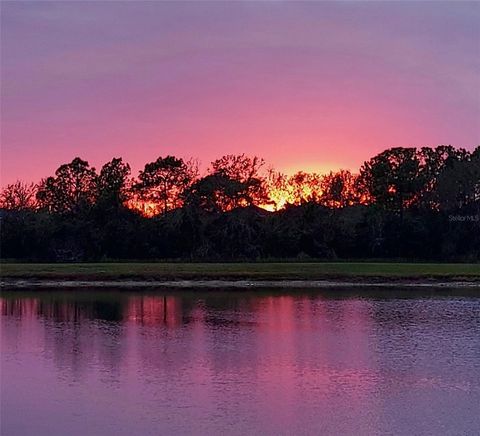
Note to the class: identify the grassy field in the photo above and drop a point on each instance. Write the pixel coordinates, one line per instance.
(237, 271)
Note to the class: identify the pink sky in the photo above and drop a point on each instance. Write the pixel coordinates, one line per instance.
(312, 86)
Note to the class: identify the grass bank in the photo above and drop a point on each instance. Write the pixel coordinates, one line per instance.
(241, 271)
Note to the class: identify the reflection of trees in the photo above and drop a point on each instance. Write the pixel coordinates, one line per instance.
(154, 310)
(20, 307)
(63, 310)
(77, 333)
(186, 342)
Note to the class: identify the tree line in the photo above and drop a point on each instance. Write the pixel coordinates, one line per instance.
(404, 203)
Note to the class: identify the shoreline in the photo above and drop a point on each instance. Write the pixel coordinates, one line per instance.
(272, 275)
(236, 284)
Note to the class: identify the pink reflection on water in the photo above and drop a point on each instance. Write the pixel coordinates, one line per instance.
(152, 310)
(117, 363)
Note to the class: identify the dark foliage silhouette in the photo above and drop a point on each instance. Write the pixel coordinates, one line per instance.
(405, 203)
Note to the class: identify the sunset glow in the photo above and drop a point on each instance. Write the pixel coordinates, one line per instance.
(311, 86)
(144, 207)
(239, 217)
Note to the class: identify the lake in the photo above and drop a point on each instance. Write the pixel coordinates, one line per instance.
(95, 362)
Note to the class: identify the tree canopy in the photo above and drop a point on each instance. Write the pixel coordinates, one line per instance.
(415, 203)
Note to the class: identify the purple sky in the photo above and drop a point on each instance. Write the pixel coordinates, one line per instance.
(314, 86)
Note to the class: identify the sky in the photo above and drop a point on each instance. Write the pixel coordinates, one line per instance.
(312, 86)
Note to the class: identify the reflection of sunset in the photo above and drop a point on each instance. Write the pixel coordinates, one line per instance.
(24, 308)
(284, 359)
(154, 310)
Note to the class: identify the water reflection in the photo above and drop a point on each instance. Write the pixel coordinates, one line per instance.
(206, 363)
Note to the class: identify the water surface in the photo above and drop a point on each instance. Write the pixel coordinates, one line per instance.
(211, 363)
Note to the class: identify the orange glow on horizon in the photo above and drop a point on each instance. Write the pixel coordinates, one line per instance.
(282, 191)
(146, 208)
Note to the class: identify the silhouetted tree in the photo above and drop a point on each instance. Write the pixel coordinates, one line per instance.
(296, 189)
(113, 183)
(304, 187)
(341, 189)
(73, 188)
(406, 203)
(18, 196)
(392, 178)
(242, 174)
(458, 183)
(237, 234)
(216, 193)
(433, 161)
(164, 181)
